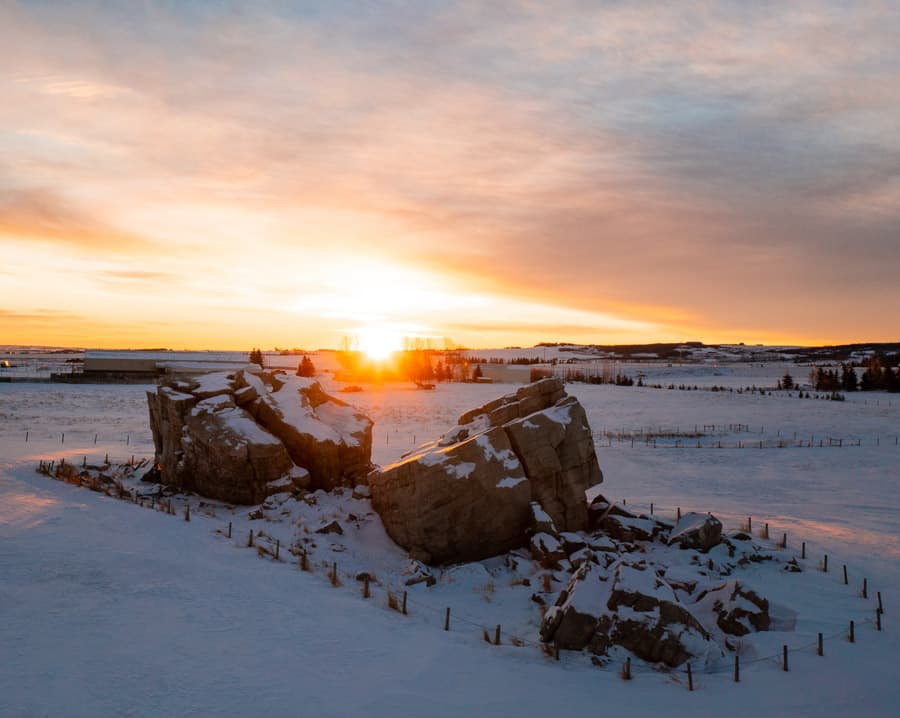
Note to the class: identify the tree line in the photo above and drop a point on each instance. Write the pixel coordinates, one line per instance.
(877, 376)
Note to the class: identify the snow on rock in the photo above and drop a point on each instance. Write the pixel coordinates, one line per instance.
(239, 436)
(469, 495)
(556, 449)
(448, 505)
(541, 521)
(633, 607)
(328, 437)
(697, 531)
(738, 609)
(547, 550)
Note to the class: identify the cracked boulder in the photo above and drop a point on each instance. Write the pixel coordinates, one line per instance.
(241, 436)
(517, 464)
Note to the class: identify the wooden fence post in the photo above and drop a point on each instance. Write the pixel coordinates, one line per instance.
(447, 619)
(737, 668)
(820, 648)
(852, 635)
(690, 678)
(785, 661)
(229, 529)
(845, 574)
(404, 603)
(497, 635)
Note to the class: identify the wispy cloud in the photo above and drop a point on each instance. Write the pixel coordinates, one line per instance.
(599, 157)
(44, 216)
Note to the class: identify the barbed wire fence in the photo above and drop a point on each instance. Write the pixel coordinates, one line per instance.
(728, 436)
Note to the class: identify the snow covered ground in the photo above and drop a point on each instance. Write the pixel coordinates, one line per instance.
(110, 609)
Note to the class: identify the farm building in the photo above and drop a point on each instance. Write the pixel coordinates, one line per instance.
(127, 366)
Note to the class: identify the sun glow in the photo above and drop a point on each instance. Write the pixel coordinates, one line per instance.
(379, 343)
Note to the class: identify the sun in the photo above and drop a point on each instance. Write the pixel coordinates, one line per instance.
(378, 343)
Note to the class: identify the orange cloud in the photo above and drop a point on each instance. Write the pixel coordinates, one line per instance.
(698, 171)
(43, 216)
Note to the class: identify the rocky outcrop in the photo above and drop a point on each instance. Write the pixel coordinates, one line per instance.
(519, 463)
(617, 523)
(632, 606)
(242, 436)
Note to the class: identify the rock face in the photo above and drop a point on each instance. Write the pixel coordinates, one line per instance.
(242, 436)
(523, 459)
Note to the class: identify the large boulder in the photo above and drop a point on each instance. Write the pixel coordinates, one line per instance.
(241, 436)
(461, 503)
(519, 463)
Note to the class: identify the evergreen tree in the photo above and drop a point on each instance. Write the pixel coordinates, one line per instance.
(306, 367)
(787, 381)
(848, 378)
(256, 357)
(871, 379)
(477, 374)
(891, 380)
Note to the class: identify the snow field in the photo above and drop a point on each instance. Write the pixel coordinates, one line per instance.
(180, 620)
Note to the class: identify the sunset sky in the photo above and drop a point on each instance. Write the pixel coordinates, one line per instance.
(235, 174)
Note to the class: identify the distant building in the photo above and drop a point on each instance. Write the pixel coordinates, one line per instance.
(506, 373)
(140, 366)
